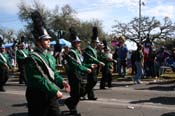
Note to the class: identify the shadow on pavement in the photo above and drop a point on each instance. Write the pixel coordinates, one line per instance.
(159, 88)
(161, 100)
(162, 82)
(19, 114)
(20, 105)
(121, 84)
(169, 114)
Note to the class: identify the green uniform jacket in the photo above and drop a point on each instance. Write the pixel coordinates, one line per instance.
(7, 57)
(104, 58)
(73, 65)
(89, 51)
(35, 78)
(21, 55)
(2, 62)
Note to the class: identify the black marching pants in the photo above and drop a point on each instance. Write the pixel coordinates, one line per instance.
(39, 104)
(76, 92)
(91, 82)
(3, 77)
(22, 71)
(106, 77)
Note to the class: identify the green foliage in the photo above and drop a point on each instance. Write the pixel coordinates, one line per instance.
(7, 34)
(59, 19)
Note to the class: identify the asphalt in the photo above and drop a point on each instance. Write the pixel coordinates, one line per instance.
(155, 97)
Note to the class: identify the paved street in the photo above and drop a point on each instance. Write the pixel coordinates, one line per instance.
(124, 99)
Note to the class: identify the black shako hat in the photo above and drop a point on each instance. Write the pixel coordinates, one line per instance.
(106, 48)
(73, 35)
(95, 34)
(39, 32)
(1, 40)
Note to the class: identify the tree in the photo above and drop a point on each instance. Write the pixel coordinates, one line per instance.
(25, 14)
(7, 34)
(149, 26)
(62, 20)
(85, 31)
(59, 19)
(166, 30)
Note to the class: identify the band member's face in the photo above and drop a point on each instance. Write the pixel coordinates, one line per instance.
(2, 49)
(77, 44)
(66, 49)
(22, 47)
(45, 43)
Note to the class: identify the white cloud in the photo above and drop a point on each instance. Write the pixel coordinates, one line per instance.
(9, 7)
(90, 15)
(104, 10)
(128, 4)
(106, 7)
(161, 11)
(73, 3)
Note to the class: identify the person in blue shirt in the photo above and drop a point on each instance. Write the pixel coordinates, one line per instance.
(122, 52)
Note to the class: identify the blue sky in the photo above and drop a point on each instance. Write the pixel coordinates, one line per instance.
(105, 10)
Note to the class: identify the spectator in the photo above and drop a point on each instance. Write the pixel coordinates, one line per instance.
(133, 66)
(160, 59)
(138, 56)
(122, 56)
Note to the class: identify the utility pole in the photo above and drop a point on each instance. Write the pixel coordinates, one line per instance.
(140, 5)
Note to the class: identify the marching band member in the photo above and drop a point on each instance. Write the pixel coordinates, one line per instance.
(5, 65)
(75, 68)
(43, 80)
(90, 57)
